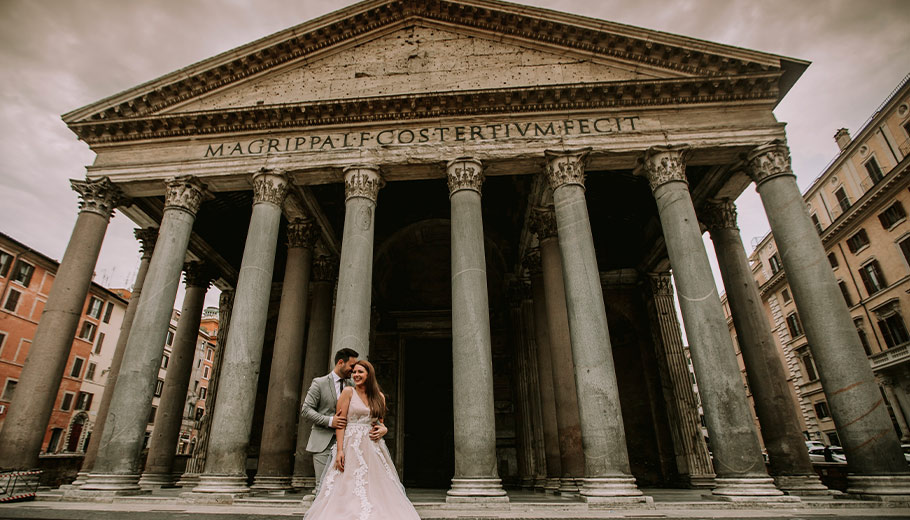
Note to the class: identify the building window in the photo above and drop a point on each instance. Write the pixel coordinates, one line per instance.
(152, 415)
(84, 402)
(88, 331)
(67, 403)
(796, 328)
(809, 365)
(894, 331)
(76, 371)
(208, 354)
(56, 435)
(199, 413)
(891, 216)
(833, 439)
(12, 300)
(22, 272)
(107, 312)
(90, 372)
(2, 340)
(817, 224)
(863, 339)
(94, 307)
(6, 260)
(9, 390)
(842, 199)
(170, 338)
(774, 261)
(872, 277)
(202, 392)
(845, 292)
(99, 343)
(858, 241)
(821, 410)
(874, 170)
(832, 259)
(205, 372)
(159, 386)
(164, 361)
(785, 294)
(905, 249)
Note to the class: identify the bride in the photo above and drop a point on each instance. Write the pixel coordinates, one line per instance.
(360, 480)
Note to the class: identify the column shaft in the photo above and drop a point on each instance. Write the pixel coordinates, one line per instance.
(281, 409)
(30, 410)
(896, 409)
(225, 467)
(870, 443)
(536, 414)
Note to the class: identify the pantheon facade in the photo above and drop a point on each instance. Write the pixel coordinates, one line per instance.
(487, 201)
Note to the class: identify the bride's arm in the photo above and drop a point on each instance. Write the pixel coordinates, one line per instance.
(341, 411)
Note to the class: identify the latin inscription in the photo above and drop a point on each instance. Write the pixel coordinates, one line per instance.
(438, 134)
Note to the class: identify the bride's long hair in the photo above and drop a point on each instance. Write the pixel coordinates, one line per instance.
(374, 394)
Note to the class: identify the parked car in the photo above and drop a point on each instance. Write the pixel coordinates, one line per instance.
(814, 444)
(906, 449)
(817, 454)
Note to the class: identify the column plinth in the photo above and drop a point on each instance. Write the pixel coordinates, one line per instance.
(606, 470)
(225, 466)
(865, 430)
(476, 477)
(31, 407)
(738, 460)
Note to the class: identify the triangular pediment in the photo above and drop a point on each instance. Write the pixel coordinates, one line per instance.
(393, 58)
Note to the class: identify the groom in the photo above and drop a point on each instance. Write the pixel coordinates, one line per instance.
(319, 408)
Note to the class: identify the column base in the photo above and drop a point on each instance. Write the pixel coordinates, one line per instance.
(884, 488)
(81, 477)
(157, 480)
(222, 484)
(748, 489)
(568, 486)
(527, 483)
(803, 485)
(111, 483)
(272, 485)
(476, 491)
(188, 480)
(551, 486)
(304, 483)
(609, 490)
(702, 481)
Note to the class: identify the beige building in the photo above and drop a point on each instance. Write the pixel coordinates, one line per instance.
(859, 206)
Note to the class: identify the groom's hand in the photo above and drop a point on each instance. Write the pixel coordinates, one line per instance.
(339, 422)
(378, 431)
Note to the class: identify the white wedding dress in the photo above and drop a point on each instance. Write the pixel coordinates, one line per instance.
(368, 488)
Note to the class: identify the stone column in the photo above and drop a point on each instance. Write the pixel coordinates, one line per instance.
(789, 460)
(281, 408)
(147, 238)
(543, 223)
(874, 457)
(536, 416)
(31, 407)
(196, 465)
(607, 474)
(225, 466)
(692, 457)
(903, 401)
(476, 477)
(887, 385)
(318, 354)
(159, 465)
(116, 468)
(741, 473)
(519, 291)
(532, 263)
(355, 278)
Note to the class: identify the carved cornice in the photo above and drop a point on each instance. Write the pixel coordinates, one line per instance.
(532, 262)
(302, 233)
(99, 196)
(185, 193)
(464, 173)
(663, 164)
(768, 161)
(362, 181)
(435, 105)
(542, 222)
(270, 186)
(718, 214)
(147, 238)
(198, 274)
(325, 269)
(566, 167)
(661, 284)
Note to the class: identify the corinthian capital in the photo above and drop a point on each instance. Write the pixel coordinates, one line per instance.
(270, 186)
(325, 269)
(302, 233)
(566, 167)
(768, 161)
(663, 164)
(661, 284)
(185, 193)
(362, 181)
(98, 196)
(198, 274)
(147, 238)
(532, 262)
(718, 214)
(542, 222)
(464, 173)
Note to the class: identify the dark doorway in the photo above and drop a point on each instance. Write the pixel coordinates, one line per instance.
(429, 438)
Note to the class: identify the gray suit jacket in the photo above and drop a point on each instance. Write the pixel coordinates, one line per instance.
(318, 408)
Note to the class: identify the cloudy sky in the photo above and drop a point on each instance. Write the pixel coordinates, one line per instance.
(58, 55)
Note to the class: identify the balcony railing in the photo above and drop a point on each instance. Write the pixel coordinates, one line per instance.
(892, 356)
